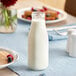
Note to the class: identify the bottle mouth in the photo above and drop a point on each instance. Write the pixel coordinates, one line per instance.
(38, 15)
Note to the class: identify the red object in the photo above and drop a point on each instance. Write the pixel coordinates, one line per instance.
(8, 3)
(45, 18)
(58, 13)
(29, 18)
(10, 55)
(41, 10)
(45, 8)
(32, 9)
(23, 16)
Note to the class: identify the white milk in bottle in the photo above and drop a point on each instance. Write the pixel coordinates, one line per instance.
(38, 44)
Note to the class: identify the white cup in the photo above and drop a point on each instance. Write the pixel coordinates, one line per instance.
(69, 39)
(71, 43)
(72, 48)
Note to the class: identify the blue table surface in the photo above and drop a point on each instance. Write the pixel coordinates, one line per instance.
(60, 63)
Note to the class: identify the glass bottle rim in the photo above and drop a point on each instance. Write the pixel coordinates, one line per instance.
(38, 15)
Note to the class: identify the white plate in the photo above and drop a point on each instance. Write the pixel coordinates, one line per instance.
(62, 15)
(15, 55)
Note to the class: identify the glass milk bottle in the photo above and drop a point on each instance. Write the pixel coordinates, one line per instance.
(38, 44)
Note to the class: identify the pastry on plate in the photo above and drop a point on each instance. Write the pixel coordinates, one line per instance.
(49, 14)
(5, 57)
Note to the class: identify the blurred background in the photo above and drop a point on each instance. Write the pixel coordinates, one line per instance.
(55, 3)
(67, 5)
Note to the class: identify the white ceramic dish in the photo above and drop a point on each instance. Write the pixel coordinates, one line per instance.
(62, 15)
(15, 55)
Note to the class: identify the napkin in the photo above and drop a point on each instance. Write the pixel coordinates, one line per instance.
(54, 36)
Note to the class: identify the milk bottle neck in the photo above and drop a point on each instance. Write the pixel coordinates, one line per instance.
(38, 16)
